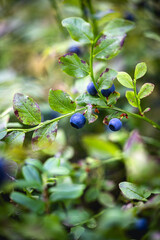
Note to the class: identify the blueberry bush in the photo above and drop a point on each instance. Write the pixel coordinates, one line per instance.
(79, 141)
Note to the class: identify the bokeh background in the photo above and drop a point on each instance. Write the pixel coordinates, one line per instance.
(31, 41)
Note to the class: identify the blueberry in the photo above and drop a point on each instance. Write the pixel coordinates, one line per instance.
(75, 49)
(129, 16)
(115, 124)
(77, 120)
(91, 89)
(141, 224)
(107, 92)
(3, 175)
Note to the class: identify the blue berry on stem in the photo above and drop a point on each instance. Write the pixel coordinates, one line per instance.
(75, 49)
(91, 89)
(115, 124)
(141, 224)
(77, 120)
(107, 92)
(3, 176)
(129, 16)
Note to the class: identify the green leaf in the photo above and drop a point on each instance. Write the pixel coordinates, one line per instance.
(106, 199)
(30, 173)
(35, 163)
(61, 102)
(92, 194)
(86, 98)
(118, 27)
(99, 148)
(51, 163)
(125, 79)
(26, 109)
(106, 78)
(132, 191)
(131, 98)
(35, 205)
(15, 138)
(108, 47)
(113, 98)
(52, 166)
(79, 29)
(90, 116)
(74, 66)
(21, 184)
(140, 70)
(147, 109)
(66, 191)
(145, 90)
(3, 126)
(77, 231)
(44, 136)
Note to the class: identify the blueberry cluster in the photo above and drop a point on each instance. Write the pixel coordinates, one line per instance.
(78, 120)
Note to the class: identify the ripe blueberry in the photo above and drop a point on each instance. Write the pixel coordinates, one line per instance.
(3, 176)
(141, 224)
(115, 124)
(107, 92)
(75, 49)
(129, 16)
(91, 89)
(77, 120)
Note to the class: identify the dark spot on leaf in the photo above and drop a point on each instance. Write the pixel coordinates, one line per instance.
(72, 102)
(35, 139)
(37, 106)
(82, 61)
(122, 41)
(16, 113)
(54, 131)
(106, 70)
(59, 61)
(100, 40)
(68, 54)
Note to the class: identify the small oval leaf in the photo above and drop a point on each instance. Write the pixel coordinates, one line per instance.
(125, 79)
(78, 29)
(15, 138)
(145, 90)
(108, 47)
(61, 102)
(140, 70)
(131, 98)
(74, 66)
(118, 27)
(86, 98)
(44, 136)
(35, 205)
(30, 173)
(106, 78)
(90, 116)
(132, 191)
(65, 191)
(113, 97)
(26, 109)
